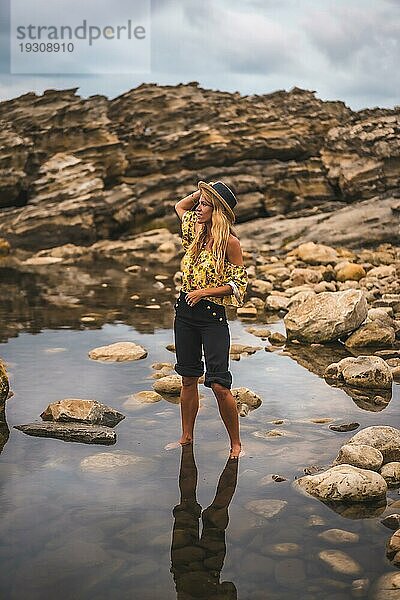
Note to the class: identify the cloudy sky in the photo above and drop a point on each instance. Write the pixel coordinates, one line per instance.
(343, 49)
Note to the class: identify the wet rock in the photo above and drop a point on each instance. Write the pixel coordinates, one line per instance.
(290, 573)
(387, 587)
(261, 332)
(340, 562)
(278, 478)
(316, 521)
(243, 395)
(393, 549)
(119, 351)
(142, 397)
(108, 461)
(326, 317)
(171, 385)
(344, 427)
(243, 349)
(266, 508)
(370, 372)
(339, 536)
(4, 385)
(360, 587)
(71, 432)
(391, 473)
(243, 409)
(392, 521)
(362, 456)
(284, 549)
(272, 433)
(345, 483)
(316, 254)
(277, 338)
(374, 334)
(348, 270)
(82, 411)
(383, 438)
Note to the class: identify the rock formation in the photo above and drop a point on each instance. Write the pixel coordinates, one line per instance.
(83, 170)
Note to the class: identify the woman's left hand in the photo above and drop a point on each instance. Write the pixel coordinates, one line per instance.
(194, 296)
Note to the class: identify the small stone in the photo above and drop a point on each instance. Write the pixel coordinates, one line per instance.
(266, 508)
(391, 473)
(277, 338)
(171, 384)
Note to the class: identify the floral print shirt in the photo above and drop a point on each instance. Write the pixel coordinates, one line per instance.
(201, 274)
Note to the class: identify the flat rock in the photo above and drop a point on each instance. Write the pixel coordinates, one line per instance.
(82, 411)
(71, 432)
(344, 427)
(108, 461)
(119, 351)
(142, 397)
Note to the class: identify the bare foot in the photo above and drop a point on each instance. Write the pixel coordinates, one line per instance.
(184, 441)
(236, 451)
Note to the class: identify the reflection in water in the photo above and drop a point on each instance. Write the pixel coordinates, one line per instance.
(197, 561)
(4, 430)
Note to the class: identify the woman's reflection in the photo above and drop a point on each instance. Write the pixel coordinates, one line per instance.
(197, 561)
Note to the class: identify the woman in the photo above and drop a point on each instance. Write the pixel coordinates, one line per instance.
(213, 277)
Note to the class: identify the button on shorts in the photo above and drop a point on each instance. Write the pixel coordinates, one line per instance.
(203, 326)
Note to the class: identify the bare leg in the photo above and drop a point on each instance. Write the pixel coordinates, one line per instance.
(228, 411)
(189, 407)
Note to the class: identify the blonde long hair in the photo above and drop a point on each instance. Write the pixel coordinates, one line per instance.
(221, 227)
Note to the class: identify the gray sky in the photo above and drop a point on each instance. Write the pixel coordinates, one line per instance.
(343, 49)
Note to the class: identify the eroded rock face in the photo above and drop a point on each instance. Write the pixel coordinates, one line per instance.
(384, 438)
(370, 372)
(326, 317)
(82, 411)
(345, 483)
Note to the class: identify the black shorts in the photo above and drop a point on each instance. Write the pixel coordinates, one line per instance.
(198, 327)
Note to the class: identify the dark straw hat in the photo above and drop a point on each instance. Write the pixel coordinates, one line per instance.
(223, 194)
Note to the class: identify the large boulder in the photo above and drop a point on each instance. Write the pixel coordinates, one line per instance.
(345, 483)
(382, 437)
(326, 317)
(82, 411)
(370, 372)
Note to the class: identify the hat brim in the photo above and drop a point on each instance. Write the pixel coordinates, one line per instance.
(209, 188)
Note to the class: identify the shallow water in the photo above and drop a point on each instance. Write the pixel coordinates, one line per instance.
(71, 531)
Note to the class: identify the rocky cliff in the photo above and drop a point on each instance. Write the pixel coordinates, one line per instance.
(81, 170)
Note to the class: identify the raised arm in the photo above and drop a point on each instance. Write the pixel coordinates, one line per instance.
(186, 203)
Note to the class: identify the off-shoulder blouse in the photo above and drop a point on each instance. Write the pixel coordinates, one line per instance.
(201, 274)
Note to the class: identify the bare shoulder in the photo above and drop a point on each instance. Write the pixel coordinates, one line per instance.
(234, 250)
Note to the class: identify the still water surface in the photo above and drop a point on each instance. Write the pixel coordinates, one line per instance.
(137, 531)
